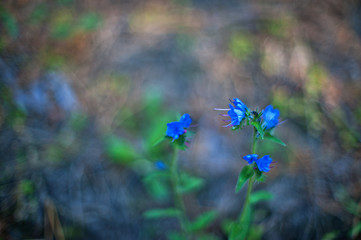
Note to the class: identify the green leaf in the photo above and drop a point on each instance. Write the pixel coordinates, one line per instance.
(244, 175)
(259, 128)
(330, 235)
(235, 232)
(156, 175)
(260, 196)
(161, 213)
(157, 142)
(255, 233)
(355, 231)
(156, 184)
(203, 221)
(227, 226)
(189, 183)
(272, 138)
(119, 151)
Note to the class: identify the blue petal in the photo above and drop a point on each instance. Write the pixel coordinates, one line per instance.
(185, 120)
(263, 163)
(160, 165)
(250, 158)
(174, 130)
(240, 105)
(270, 117)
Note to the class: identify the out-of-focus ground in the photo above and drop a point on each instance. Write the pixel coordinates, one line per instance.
(87, 87)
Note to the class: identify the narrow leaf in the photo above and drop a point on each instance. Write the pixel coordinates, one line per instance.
(272, 138)
(161, 213)
(190, 183)
(244, 175)
(260, 196)
(259, 128)
(355, 231)
(203, 221)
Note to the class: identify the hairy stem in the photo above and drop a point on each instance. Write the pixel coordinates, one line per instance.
(177, 197)
(249, 190)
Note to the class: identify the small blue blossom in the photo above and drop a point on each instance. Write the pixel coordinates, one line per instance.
(175, 129)
(250, 158)
(270, 117)
(263, 163)
(186, 120)
(237, 112)
(160, 165)
(240, 105)
(236, 116)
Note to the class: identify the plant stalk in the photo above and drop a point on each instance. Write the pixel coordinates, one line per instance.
(177, 197)
(249, 187)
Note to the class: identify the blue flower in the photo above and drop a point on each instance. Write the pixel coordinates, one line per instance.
(160, 165)
(237, 112)
(263, 163)
(270, 117)
(175, 129)
(250, 158)
(186, 120)
(236, 116)
(240, 105)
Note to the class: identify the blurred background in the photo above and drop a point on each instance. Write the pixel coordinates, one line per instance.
(87, 88)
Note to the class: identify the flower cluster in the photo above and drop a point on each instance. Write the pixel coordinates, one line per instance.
(238, 112)
(263, 121)
(176, 129)
(263, 163)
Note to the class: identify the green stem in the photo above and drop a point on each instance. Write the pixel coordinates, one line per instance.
(254, 142)
(249, 188)
(178, 200)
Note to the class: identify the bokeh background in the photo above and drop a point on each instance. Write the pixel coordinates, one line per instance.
(87, 88)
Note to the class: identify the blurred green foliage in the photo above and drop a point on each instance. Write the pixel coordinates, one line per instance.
(65, 25)
(89, 22)
(241, 45)
(190, 183)
(279, 27)
(26, 187)
(65, 2)
(40, 13)
(157, 184)
(78, 121)
(203, 221)
(11, 115)
(330, 236)
(62, 24)
(260, 196)
(119, 150)
(9, 22)
(185, 42)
